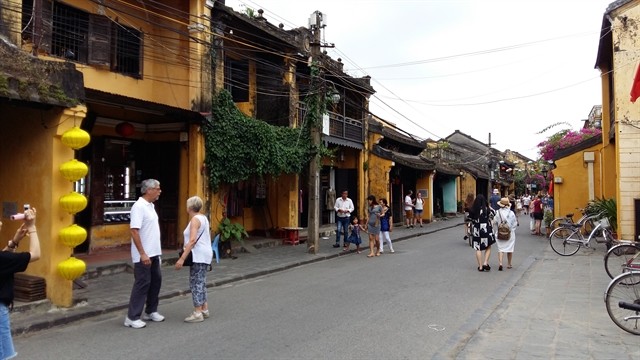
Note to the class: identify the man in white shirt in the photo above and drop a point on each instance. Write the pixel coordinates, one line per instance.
(408, 209)
(344, 208)
(146, 250)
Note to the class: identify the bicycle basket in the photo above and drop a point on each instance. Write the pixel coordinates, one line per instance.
(604, 222)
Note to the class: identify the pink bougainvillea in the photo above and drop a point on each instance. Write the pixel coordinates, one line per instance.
(564, 139)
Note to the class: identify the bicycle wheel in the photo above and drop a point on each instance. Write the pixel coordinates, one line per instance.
(619, 258)
(610, 241)
(565, 246)
(624, 288)
(561, 232)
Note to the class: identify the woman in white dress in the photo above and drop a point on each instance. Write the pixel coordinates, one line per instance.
(505, 214)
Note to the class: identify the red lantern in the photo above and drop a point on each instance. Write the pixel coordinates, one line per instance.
(125, 129)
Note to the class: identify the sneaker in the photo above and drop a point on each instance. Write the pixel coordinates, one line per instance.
(136, 324)
(392, 251)
(154, 316)
(205, 314)
(336, 245)
(194, 317)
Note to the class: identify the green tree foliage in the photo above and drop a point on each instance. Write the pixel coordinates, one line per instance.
(238, 147)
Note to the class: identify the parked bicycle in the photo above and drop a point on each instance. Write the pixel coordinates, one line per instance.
(622, 299)
(622, 258)
(567, 222)
(566, 240)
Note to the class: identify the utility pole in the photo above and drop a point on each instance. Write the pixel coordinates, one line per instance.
(490, 165)
(313, 231)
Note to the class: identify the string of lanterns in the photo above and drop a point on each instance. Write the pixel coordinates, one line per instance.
(73, 235)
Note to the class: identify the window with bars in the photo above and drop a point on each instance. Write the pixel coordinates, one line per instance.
(70, 31)
(76, 35)
(127, 45)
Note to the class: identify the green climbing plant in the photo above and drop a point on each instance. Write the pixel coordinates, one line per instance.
(238, 147)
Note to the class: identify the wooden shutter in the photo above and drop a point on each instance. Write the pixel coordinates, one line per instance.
(43, 25)
(99, 40)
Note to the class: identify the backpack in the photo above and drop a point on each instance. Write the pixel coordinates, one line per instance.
(504, 231)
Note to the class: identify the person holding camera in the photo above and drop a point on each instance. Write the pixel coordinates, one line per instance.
(13, 261)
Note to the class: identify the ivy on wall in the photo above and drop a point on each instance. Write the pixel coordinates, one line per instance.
(238, 147)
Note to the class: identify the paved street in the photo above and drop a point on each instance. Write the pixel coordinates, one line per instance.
(425, 301)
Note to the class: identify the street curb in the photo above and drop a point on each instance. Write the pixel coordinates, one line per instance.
(81, 315)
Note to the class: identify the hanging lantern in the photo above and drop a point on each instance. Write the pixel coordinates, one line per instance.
(125, 129)
(72, 236)
(73, 202)
(75, 138)
(74, 170)
(72, 268)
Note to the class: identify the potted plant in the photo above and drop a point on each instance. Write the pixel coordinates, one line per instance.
(230, 231)
(607, 208)
(547, 219)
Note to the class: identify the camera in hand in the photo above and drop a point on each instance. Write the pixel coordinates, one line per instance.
(20, 216)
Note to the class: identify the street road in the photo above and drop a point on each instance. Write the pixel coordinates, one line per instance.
(423, 300)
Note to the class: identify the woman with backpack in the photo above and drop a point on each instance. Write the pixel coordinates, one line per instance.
(504, 224)
(482, 231)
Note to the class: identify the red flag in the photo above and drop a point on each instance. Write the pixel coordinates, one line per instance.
(635, 88)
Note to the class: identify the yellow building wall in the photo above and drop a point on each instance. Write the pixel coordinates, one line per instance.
(166, 63)
(34, 138)
(573, 193)
(627, 116)
(424, 182)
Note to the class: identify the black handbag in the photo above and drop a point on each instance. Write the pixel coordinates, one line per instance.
(189, 260)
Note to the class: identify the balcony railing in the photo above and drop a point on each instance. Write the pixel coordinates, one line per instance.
(339, 126)
(345, 128)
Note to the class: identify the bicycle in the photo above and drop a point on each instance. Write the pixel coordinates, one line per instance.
(622, 299)
(468, 230)
(585, 222)
(622, 258)
(571, 243)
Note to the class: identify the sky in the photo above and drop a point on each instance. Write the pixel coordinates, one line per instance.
(509, 68)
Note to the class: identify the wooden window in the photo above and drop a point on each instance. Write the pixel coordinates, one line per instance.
(127, 51)
(70, 31)
(237, 79)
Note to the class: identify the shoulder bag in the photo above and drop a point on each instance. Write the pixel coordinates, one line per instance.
(189, 260)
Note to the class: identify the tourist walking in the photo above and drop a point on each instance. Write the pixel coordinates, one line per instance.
(408, 209)
(344, 208)
(467, 206)
(197, 242)
(505, 214)
(418, 207)
(145, 255)
(386, 226)
(493, 200)
(538, 214)
(373, 226)
(354, 235)
(526, 202)
(482, 232)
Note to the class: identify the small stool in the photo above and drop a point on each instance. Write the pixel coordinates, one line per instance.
(292, 235)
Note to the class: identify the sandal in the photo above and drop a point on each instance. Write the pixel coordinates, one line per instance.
(370, 255)
(480, 268)
(509, 266)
